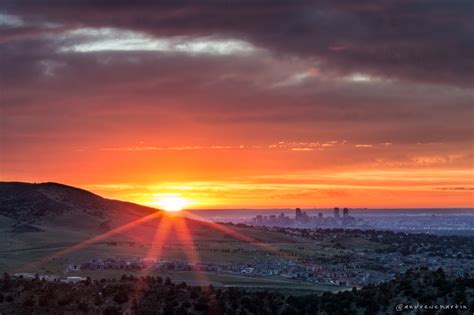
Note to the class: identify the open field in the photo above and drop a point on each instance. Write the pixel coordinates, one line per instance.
(207, 251)
(219, 280)
(46, 228)
(46, 254)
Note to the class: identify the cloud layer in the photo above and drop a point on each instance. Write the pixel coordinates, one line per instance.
(234, 87)
(409, 39)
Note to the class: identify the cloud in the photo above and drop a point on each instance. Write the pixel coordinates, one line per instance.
(405, 40)
(155, 148)
(438, 159)
(7, 20)
(298, 78)
(302, 149)
(86, 40)
(358, 77)
(455, 188)
(184, 75)
(281, 146)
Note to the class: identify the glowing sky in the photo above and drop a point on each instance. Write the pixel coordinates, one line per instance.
(232, 104)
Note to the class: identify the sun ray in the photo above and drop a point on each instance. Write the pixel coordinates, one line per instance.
(160, 237)
(226, 230)
(185, 236)
(242, 237)
(92, 240)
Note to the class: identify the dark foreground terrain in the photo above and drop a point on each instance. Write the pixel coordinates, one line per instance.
(64, 234)
(431, 292)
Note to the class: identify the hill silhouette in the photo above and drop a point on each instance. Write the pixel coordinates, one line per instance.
(34, 203)
(38, 219)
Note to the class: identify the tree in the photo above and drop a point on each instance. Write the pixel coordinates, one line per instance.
(83, 307)
(181, 311)
(168, 309)
(88, 281)
(201, 305)
(7, 281)
(43, 300)
(159, 280)
(372, 309)
(111, 310)
(29, 301)
(121, 297)
(290, 310)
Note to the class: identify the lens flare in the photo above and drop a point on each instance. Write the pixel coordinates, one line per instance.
(171, 202)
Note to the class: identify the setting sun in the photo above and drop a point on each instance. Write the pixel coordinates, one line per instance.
(171, 202)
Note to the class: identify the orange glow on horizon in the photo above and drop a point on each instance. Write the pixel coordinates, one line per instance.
(371, 188)
(198, 177)
(170, 202)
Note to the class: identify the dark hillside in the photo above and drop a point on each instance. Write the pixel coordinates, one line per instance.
(33, 203)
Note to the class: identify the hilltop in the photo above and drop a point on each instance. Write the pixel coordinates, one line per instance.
(38, 220)
(35, 203)
(52, 207)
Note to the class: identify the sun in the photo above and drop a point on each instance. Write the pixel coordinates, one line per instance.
(170, 202)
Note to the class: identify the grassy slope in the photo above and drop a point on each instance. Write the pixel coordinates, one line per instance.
(35, 251)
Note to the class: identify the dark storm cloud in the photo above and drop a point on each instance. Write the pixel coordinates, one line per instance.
(427, 41)
(273, 91)
(98, 88)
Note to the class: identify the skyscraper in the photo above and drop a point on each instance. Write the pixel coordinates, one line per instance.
(336, 213)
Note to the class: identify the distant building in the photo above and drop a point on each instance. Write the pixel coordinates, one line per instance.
(346, 218)
(300, 216)
(73, 267)
(74, 279)
(247, 270)
(303, 219)
(336, 213)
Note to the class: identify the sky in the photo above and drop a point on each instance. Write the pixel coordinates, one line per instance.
(242, 104)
